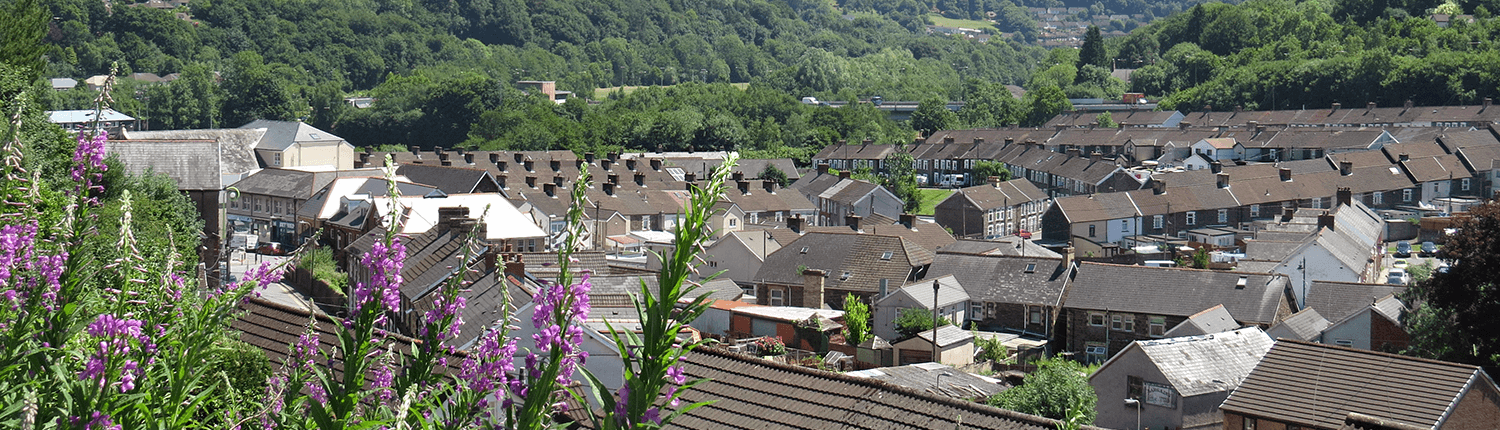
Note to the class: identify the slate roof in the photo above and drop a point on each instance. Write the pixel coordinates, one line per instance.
(855, 151)
(949, 292)
(1305, 325)
(1003, 279)
(836, 253)
(1337, 300)
(193, 164)
(999, 246)
(928, 235)
(1211, 363)
(281, 135)
(751, 393)
(273, 327)
(236, 146)
(291, 184)
(1176, 291)
(1212, 320)
(947, 335)
(1351, 380)
(451, 180)
(1004, 194)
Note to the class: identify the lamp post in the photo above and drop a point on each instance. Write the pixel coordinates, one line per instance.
(1137, 404)
(935, 321)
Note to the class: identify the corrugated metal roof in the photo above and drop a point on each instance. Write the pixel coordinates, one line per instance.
(86, 115)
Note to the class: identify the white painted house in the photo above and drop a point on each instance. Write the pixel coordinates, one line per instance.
(952, 303)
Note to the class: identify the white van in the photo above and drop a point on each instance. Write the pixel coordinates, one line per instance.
(1160, 263)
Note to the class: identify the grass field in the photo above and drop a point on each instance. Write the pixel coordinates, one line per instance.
(964, 23)
(930, 198)
(601, 93)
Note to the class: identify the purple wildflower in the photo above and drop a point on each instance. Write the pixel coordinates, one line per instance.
(101, 421)
(384, 286)
(88, 165)
(653, 415)
(677, 374)
(315, 390)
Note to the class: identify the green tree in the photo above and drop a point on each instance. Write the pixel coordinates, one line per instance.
(932, 115)
(22, 25)
(253, 91)
(1105, 120)
(775, 174)
(987, 168)
(856, 320)
(901, 179)
(912, 321)
(1043, 104)
(1455, 312)
(1058, 388)
(1093, 51)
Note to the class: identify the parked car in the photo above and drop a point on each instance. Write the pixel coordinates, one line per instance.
(1399, 264)
(271, 248)
(1428, 249)
(1397, 277)
(1403, 249)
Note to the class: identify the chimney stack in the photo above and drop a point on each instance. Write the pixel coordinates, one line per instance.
(520, 157)
(501, 179)
(495, 159)
(1403, 157)
(606, 164)
(490, 257)
(1287, 213)
(867, 141)
(852, 221)
(794, 223)
(978, 141)
(1345, 196)
(515, 265)
(1337, 105)
(1184, 125)
(844, 174)
(1223, 180)
(415, 150)
(613, 178)
(529, 164)
(812, 288)
(1096, 156)
(550, 189)
(1487, 102)
(1408, 105)
(744, 186)
(1325, 221)
(1286, 174)
(1346, 168)
(1216, 167)
(531, 181)
(822, 168)
(737, 176)
(609, 188)
(613, 156)
(1068, 255)
(1370, 106)
(994, 181)
(655, 164)
(1158, 187)
(640, 179)
(502, 165)
(468, 158)
(909, 220)
(630, 164)
(588, 157)
(1010, 141)
(1074, 152)
(559, 181)
(769, 185)
(578, 164)
(451, 216)
(947, 139)
(446, 163)
(690, 177)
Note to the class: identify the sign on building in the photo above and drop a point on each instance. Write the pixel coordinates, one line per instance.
(1160, 395)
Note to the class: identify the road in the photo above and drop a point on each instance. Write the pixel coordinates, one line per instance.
(240, 262)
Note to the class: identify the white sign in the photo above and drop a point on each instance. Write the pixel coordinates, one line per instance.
(1160, 395)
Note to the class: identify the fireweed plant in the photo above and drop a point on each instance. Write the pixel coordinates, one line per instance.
(89, 344)
(655, 376)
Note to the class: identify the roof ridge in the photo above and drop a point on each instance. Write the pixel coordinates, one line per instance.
(1181, 269)
(883, 385)
(1381, 354)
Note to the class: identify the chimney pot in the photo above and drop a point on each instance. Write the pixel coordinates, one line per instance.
(794, 223)
(1223, 180)
(1286, 174)
(1346, 168)
(844, 174)
(852, 221)
(515, 266)
(822, 168)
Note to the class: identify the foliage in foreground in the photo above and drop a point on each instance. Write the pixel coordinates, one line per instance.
(1454, 313)
(1058, 389)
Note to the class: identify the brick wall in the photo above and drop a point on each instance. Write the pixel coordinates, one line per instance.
(1387, 336)
(1080, 333)
(1479, 409)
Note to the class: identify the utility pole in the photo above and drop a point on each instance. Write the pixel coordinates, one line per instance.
(935, 322)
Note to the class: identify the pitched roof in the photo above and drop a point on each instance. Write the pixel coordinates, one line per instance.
(924, 377)
(1176, 291)
(1212, 320)
(502, 221)
(949, 292)
(1210, 363)
(274, 327)
(194, 164)
(928, 235)
(754, 393)
(1305, 325)
(291, 184)
(281, 135)
(1337, 300)
(947, 335)
(236, 146)
(860, 255)
(1004, 279)
(1004, 194)
(451, 180)
(1283, 386)
(1007, 245)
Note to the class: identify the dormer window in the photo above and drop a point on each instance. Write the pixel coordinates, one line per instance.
(887, 255)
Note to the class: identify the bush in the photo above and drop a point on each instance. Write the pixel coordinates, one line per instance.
(770, 346)
(913, 321)
(1058, 389)
(319, 261)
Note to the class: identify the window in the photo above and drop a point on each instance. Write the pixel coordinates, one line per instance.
(776, 297)
(1463, 184)
(1158, 326)
(1223, 216)
(1091, 230)
(1122, 322)
(1192, 218)
(276, 161)
(1254, 211)
(886, 255)
(1096, 351)
(1125, 226)
(1134, 387)
(1377, 197)
(976, 310)
(1249, 423)
(1344, 342)
(1406, 195)
(734, 222)
(1096, 319)
(1157, 221)
(1036, 314)
(804, 250)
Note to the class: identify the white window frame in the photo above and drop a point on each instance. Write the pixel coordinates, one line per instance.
(1254, 211)
(1192, 218)
(1157, 326)
(976, 310)
(1100, 316)
(1223, 216)
(1157, 221)
(1406, 195)
(1122, 322)
(1463, 184)
(778, 297)
(1377, 197)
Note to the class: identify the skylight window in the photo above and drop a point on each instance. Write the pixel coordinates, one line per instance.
(846, 276)
(1030, 267)
(804, 250)
(887, 255)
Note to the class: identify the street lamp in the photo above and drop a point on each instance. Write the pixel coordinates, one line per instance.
(1137, 404)
(935, 321)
